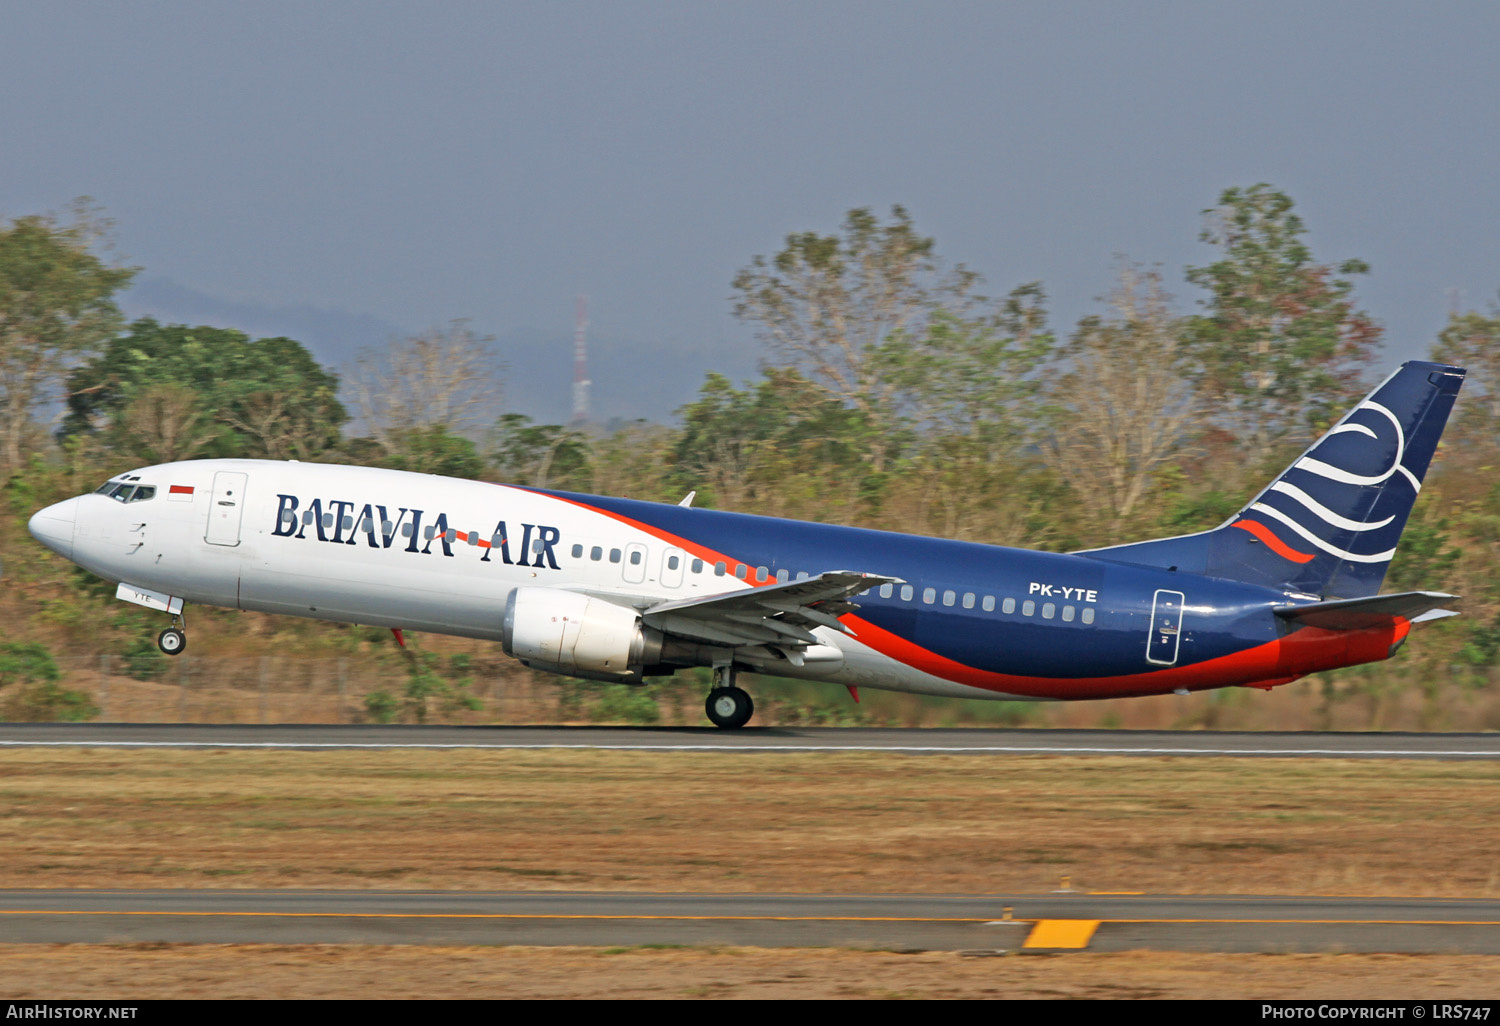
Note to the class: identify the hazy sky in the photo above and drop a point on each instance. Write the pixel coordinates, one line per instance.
(395, 165)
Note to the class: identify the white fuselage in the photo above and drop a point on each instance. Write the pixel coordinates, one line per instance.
(404, 550)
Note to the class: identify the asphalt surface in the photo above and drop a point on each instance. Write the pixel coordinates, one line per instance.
(758, 739)
(976, 923)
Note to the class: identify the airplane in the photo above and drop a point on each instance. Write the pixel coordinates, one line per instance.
(623, 590)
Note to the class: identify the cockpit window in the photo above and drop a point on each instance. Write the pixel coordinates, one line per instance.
(124, 491)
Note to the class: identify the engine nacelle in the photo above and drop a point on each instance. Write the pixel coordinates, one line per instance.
(565, 632)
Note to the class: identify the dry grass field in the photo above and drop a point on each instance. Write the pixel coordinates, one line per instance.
(507, 820)
(125, 972)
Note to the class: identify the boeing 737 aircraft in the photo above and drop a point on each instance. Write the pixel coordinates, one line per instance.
(621, 590)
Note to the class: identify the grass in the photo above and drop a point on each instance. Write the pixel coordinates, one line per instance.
(775, 822)
(218, 971)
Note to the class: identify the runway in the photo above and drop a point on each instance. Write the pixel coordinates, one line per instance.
(752, 739)
(976, 923)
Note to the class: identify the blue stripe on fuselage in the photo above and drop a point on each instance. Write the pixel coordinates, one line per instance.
(1221, 617)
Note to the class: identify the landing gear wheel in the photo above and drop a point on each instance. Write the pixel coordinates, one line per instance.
(171, 641)
(729, 707)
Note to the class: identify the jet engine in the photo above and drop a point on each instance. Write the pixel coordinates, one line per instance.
(568, 633)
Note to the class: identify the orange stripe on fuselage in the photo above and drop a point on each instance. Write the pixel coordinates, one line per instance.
(1306, 650)
(1274, 543)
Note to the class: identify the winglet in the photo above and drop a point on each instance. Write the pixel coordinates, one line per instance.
(687, 500)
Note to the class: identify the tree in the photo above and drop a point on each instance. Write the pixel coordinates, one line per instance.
(1121, 403)
(1281, 346)
(965, 396)
(782, 446)
(56, 304)
(166, 392)
(970, 377)
(429, 450)
(826, 303)
(1472, 340)
(540, 455)
(443, 378)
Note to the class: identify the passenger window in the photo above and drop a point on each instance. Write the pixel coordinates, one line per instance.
(1088, 614)
(635, 555)
(428, 533)
(596, 553)
(719, 569)
(577, 551)
(1008, 606)
(886, 590)
(1049, 610)
(968, 600)
(328, 522)
(1068, 614)
(386, 527)
(989, 603)
(761, 573)
(346, 523)
(803, 575)
(406, 530)
(614, 555)
(929, 596)
(949, 597)
(697, 566)
(906, 592)
(740, 570)
(1028, 607)
(673, 562)
(782, 576)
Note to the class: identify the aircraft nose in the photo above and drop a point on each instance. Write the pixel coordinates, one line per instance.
(53, 526)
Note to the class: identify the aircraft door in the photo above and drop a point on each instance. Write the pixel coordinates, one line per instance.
(226, 508)
(671, 567)
(635, 563)
(1166, 628)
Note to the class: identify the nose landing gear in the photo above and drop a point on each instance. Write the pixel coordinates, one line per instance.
(174, 639)
(728, 706)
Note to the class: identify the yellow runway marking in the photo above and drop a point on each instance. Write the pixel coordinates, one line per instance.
(1061, 933)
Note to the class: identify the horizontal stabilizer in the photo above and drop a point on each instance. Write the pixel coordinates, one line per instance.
(1376, 611)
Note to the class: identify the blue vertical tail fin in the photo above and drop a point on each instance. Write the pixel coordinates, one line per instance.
(1330, 523)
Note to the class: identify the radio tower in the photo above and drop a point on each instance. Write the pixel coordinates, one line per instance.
(581, 364)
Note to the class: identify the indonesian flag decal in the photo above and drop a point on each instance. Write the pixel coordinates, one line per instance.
(181, 493)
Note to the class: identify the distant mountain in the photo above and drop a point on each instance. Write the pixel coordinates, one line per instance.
(632, 378)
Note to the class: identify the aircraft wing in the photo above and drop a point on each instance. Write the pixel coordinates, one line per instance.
(1374, 611)
(783, 615)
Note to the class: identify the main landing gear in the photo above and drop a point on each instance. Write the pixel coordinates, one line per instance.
(727, 705)
(174, 639)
